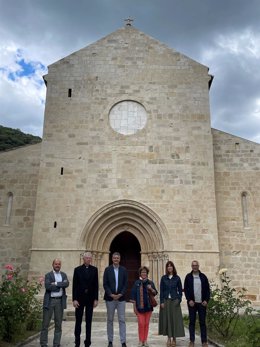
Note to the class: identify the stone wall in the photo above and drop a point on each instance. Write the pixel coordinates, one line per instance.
(237, 175)
(19, 169)
(86, 183)
(167, 166)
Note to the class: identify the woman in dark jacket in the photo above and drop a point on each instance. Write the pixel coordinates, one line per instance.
(141, 303)
(170, 317)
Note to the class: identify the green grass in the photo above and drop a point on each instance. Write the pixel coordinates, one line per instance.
(246, 333)
(22, 336)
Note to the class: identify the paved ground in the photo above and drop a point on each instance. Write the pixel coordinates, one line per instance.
(99, 338)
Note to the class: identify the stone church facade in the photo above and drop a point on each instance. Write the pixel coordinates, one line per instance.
(129, 162)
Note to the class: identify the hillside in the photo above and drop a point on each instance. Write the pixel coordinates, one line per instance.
(12, 138)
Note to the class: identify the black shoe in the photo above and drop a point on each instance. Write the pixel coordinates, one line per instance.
(110, 344)
(124, 344)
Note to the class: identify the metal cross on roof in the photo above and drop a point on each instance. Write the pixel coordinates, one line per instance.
(128, 21)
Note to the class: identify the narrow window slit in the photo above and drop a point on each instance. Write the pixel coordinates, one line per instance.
(244, 200)
(9, 208)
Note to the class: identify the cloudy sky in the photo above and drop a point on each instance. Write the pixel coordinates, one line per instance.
(221, 34)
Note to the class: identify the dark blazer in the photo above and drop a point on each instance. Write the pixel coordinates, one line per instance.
(189, 288)
(109, 282)
(85, 284)
(49, 278)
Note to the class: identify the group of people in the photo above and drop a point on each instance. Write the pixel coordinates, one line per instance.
(197, 292)
(85, 297)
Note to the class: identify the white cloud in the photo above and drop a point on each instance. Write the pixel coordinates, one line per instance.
(244, 43)
(22, 96)
(226, 36)
(8, 57)
(234, 61)
(256, 111)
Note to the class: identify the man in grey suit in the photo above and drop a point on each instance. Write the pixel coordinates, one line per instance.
(115, 285)
(55, 301)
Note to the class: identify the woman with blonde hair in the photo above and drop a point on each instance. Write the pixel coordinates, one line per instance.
(170, 316)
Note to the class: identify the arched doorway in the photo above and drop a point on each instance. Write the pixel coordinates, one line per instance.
(129, 247)
(139, 222)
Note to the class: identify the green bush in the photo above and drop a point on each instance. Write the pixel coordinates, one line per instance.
(226, 306)
(12, 138)
(19, 307)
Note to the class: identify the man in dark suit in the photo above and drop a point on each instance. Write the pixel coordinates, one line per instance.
(115, 285)
(55, 301)
(84, 295)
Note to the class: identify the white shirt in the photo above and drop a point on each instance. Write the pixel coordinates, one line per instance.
(58, 278)
(170, 277)
(116, 276)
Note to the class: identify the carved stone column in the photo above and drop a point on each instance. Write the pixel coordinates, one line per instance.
(157, 261)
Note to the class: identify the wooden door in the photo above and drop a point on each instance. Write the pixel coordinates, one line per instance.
(129, 248)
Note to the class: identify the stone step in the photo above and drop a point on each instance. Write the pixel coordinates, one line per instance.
(100, 314)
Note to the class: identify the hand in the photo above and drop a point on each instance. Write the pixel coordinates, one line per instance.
(115, 296)
(162, 306)
(95, 303)
(150, 289)
(204, 303)
(191, 303)
(135, 311)
(76, 303)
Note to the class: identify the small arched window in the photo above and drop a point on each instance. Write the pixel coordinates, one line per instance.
(244, 201)
(9, 208)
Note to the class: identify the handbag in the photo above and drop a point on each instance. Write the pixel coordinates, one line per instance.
(152, 299)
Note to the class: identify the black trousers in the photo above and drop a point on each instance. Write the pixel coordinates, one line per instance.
(88, 306)
(202, 310)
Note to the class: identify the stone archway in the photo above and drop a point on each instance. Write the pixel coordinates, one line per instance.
(129, 216)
